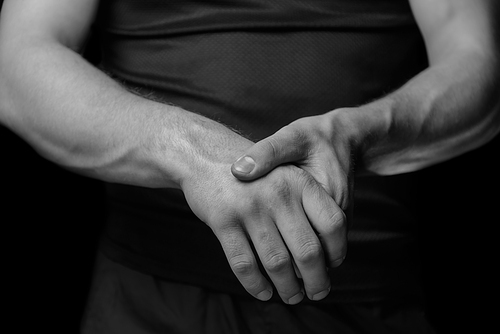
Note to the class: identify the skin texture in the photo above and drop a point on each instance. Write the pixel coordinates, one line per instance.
(446, 110)
(290, 205)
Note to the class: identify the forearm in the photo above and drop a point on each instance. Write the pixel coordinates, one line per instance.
(76, 116)
(450, 108)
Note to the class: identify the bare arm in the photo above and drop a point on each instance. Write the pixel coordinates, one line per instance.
(448, 109)
(76, 116)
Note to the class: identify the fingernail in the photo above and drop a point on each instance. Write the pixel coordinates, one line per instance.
(321, 295)
(296, 299)
(245, 164)
(264, 295)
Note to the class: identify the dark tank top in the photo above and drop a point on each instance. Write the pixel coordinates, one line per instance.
(257, 65)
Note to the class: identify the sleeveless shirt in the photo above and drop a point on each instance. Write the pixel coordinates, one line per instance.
(257, 65)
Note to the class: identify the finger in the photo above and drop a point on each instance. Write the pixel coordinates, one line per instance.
(243, 263)
(297, 271)
(282, 147)
(276, 260)
(306, 250)
(329, 222)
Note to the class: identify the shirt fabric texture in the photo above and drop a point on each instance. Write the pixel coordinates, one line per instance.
(257, 65)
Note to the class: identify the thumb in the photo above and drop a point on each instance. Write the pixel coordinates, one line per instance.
(265, 155)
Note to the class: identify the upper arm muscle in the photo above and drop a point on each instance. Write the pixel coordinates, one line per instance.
(66, 21)
(449, 26)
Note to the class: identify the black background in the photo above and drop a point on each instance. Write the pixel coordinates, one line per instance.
(51, 218)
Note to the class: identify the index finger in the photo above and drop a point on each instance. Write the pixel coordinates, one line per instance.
(328, 220)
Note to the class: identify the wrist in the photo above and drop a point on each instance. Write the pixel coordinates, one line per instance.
(365, 130)
(207, 147)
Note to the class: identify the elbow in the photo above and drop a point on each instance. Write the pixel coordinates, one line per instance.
(490, 125)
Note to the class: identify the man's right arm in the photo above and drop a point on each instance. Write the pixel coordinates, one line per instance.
(75, 115)
(79, 118)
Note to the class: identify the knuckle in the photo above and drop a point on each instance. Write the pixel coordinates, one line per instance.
(277, 263)
(281, 191)
(308, 181)
(232, 218)
(251, 207)
(242, 265)
(336, 220)
(309, 252)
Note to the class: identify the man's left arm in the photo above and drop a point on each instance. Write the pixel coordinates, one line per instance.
(448, 109)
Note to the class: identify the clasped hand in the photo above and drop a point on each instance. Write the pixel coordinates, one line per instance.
(286, 197)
